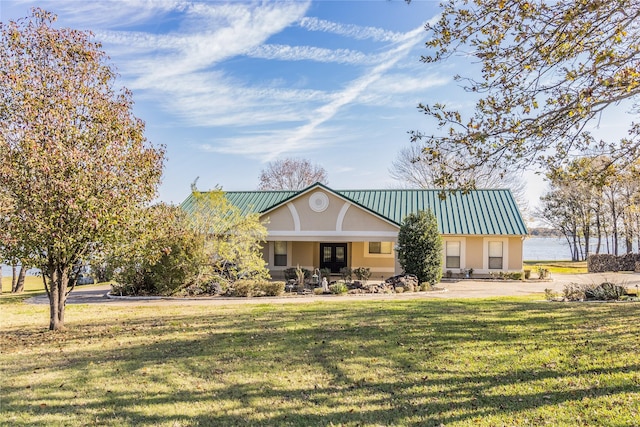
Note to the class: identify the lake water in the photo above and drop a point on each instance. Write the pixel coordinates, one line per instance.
(546, 249)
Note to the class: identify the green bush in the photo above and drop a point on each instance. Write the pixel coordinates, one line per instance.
(318, 291)
(549, 294)
(425, 286)
(515, 276)
(338, 288)
(346, 273)
(420, 247)
(271, 289)
(290, 273)
(325, 272)
(573, 292)
(408, 287)
(362, 273)
(243, 288)
(604, 292)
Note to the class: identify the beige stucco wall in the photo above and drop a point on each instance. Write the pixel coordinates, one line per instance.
(279, 219)
(474, 252)
(515, 253)
(380, 264)
(303, 254)
(357, 219)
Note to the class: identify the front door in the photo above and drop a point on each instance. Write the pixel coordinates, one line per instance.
(333, 256)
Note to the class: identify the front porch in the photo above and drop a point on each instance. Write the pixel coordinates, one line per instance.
(378, 256)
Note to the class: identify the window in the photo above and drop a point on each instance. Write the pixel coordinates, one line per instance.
(280, 254)
(495, 255)
(380, 247)
(452, 255)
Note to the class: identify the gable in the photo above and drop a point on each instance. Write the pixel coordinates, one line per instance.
(322, 211)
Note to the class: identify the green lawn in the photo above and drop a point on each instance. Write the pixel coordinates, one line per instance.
(31, 284)
(557, 267)
(495, 362)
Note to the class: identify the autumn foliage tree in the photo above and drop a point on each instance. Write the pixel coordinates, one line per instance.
(291, 174)
(75, 167)
(546, 70)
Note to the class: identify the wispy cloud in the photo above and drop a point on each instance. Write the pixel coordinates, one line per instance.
(351, 31)
(300, 136)
(309, 53)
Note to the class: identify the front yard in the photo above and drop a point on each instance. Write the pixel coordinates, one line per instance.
(427, 362)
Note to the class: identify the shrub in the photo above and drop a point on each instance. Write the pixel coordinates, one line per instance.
(399, 289)
(325, 272)
(243, 288)
(290, 273)
(420, 247)
(549, 294)
(543, 273)
(338, 288)
(318, 291)
(362, 273)
(527, 274)
(408, 287)
(425, 286)
(346, 273)
(515, 276)
(573, 292)
(271, 289)
(171, 263)
(604, 292)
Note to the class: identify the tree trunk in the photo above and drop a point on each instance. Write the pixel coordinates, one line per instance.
(19, 284)
(14, 277)
(58, 281)
(0, 278)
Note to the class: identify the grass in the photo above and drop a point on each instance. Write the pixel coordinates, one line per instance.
(32, 284)
(427, 363)
(558, 267)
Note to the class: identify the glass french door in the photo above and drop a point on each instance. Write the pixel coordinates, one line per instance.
(333, 256)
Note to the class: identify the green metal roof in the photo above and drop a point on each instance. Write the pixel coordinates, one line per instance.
(478, 212)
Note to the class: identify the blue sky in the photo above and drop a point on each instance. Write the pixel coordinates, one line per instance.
(230, 86)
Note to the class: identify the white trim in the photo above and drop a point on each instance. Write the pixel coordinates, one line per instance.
(374, 234)
(296, 217)
(341, 215)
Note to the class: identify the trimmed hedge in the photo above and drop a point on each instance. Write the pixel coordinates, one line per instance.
(255, 288)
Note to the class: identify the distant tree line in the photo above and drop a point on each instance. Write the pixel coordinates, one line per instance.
(594, 204)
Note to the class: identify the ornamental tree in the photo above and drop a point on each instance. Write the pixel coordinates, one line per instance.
(232, 239)
(420, 247)
(75, 167)
(546, 70)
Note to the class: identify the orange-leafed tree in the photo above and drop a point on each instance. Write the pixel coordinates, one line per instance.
(75, 167)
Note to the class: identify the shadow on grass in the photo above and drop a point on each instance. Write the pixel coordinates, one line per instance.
(382, 363)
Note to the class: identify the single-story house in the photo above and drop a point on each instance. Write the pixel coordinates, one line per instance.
(319, 227)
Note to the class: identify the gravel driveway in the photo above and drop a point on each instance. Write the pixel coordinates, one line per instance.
(97, 294)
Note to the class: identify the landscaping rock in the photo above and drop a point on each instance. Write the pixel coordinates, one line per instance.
(408, 281)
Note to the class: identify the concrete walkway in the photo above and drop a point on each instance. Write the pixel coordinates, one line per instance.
(97, 294)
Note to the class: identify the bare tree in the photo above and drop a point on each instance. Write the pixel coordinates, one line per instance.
(412, 170)
(291, 174)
